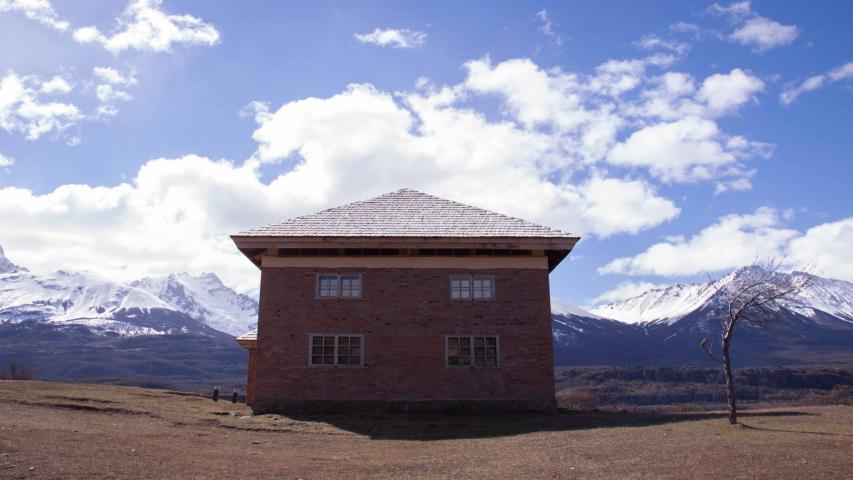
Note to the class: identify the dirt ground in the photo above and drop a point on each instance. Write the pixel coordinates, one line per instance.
(55, 430)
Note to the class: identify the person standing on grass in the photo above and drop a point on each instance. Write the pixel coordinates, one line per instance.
(216, 393)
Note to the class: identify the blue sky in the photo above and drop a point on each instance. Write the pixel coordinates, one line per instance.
(681, 139)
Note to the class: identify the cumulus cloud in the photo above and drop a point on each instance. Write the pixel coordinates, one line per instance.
(763, 34)
(114, 77)
(731, 242)
(175, 211)
(686, 150)
(753, 30)
(724, 92)
(144, 26)
(56, 84)
(840, 73)
(108, 94)
(39, 10)
(625, 290)
(826, 248)
(23, 110)
(543, 158)
(6, 161)
(110, 91)
(425, 142)
(393, 37)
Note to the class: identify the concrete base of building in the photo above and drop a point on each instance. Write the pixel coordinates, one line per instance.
(478, 405)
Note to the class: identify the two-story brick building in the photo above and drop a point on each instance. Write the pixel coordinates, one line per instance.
(404, 301)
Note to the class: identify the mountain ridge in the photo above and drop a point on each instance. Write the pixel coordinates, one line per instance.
(663, 326)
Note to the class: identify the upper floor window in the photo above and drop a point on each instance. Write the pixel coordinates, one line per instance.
(337, 285)
(467, 287)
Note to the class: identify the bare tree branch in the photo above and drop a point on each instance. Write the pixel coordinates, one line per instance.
(754, 296)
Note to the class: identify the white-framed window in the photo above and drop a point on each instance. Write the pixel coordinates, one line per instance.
(335, 350)
(327, 286)
(338, 285)
(472, 351)
(350, 286)
(460, 287)
(468, 287)
(483, 288)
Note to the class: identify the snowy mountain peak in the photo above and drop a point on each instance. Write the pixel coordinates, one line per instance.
(670, 304)
(561, 307)
(82, 298)
(6, 265)
(204, 298)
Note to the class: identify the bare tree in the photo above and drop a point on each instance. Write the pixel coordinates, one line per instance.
(753, 297)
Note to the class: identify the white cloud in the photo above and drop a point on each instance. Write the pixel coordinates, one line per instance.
(734, 11)
(732, 242)
(543, 159)
(624, 291)
(726, 92)
(686, 27)
(39, 10)
(110, 92)
(826, 248)
(741, 184)
(535, 96)
(686, 150)
(105, 111)
(837, 74)
(549, 28)
(655, 42)
(6, 161)
(617, 205)
(107, 94)
(56, 84)
(842, 72)
(393, 37)
(114, 77)
(23, 110)
(175, 212)
(144, 26)
(427, 142)
(753, 30)
(738, 240)
(763, 34)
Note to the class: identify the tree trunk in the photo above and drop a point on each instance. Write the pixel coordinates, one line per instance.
(730, 382)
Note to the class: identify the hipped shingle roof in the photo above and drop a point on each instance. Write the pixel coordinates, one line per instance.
(406, 213)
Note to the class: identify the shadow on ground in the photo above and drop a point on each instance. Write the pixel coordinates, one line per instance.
(448, 426)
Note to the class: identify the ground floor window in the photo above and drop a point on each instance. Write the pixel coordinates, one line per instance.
(336, 350)
(472, 350)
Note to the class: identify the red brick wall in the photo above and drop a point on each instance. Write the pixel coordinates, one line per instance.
(250, 380)
(403, 315)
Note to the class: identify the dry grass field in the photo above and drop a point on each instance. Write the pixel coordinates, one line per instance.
(55, 430)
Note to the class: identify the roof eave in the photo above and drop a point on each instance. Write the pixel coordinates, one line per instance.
(556, 248)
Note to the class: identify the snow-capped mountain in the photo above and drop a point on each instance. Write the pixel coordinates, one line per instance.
(670, 304)
(77, 325)
(76, 298)
(663, 326)
(138, 308)
(204, 298)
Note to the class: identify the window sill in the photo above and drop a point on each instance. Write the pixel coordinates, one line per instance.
(345, 367)
(469, 367)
